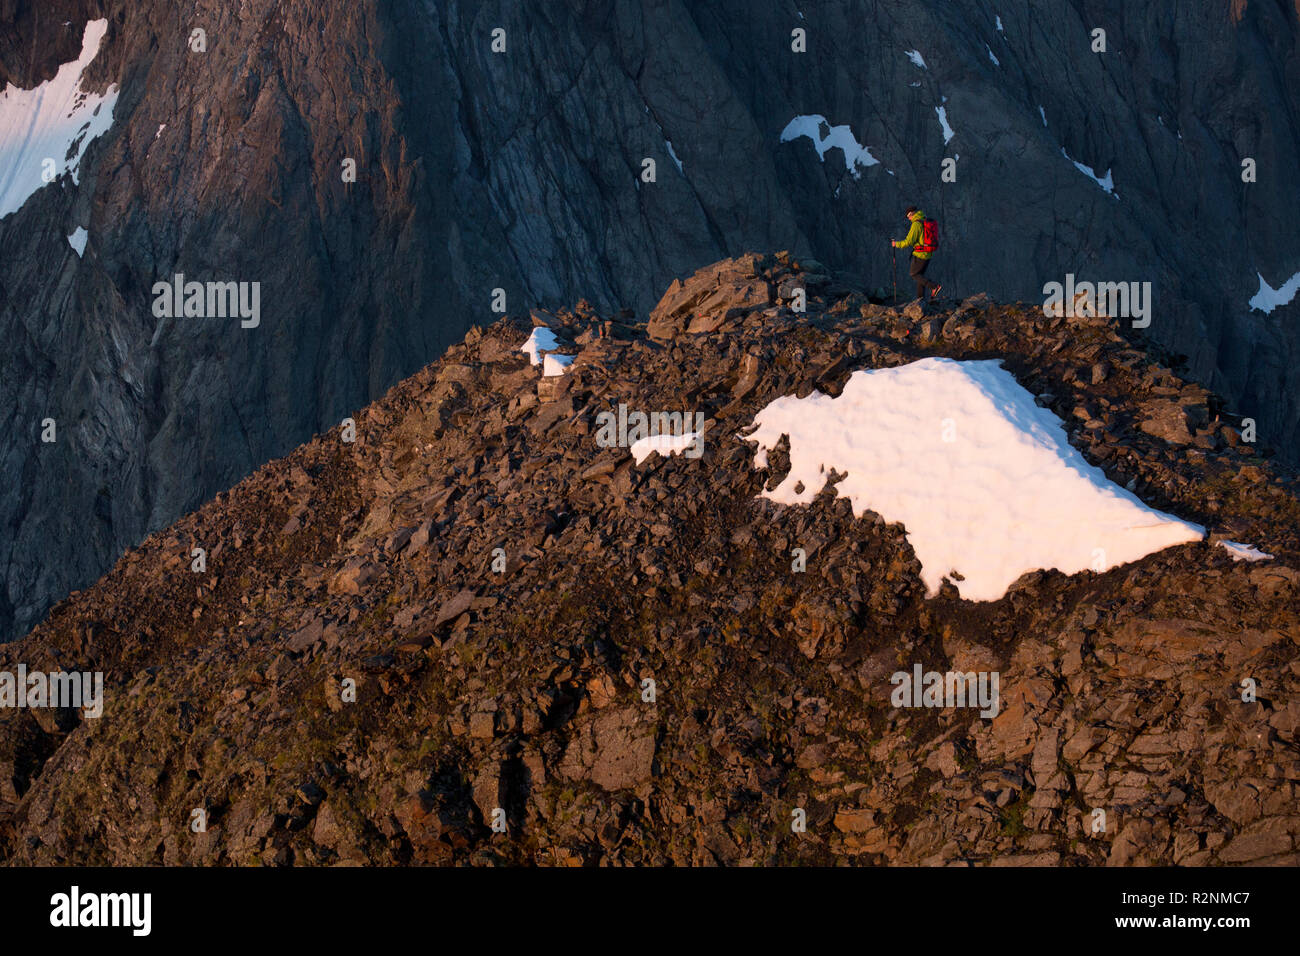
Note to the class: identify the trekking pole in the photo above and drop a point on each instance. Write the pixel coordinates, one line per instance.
(894, 255)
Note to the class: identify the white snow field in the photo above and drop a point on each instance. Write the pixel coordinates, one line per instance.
(1105, 182)
(943, 123)
(677, 162)
(57, 121)
(1267, 298)
(982, 479)
(666, 445)
(78, 241)
(1244, 552)
(540, 340)
(855, 154)
(556, 365)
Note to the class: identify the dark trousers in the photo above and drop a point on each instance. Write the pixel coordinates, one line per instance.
(923, 284)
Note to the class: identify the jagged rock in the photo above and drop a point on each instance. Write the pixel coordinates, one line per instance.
(928, 331)
(615, 750)
(421, 822)
(357, 573)
(454, 606)
(488, 790)
(975, 303)
(1261, 839)
(712, 295)
(1167, 420)
(1238, 800)
(306, 636)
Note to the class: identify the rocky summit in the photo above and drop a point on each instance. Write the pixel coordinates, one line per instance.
(466, 627)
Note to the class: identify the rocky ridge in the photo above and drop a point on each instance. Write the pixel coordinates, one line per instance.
(516, 679)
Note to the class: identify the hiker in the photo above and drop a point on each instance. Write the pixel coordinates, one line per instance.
(924, 235)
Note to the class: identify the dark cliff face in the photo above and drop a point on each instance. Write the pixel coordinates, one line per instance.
(520, 171)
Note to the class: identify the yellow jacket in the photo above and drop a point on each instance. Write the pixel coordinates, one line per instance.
(914, 236)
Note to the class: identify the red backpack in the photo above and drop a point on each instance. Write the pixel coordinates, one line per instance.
(929, 236)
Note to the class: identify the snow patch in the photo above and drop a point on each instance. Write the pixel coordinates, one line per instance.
(1043, 113)
(664, 444)
(1267, 298)
(983, 480)
(56, 120)
(999, 20)
(943, 121)
(1105, 182)
(996, 61)
(1244, 552)
(541, 340)
(855, 154)
(78, 241)
(556, 365)
(674, 156)
(915, 57)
